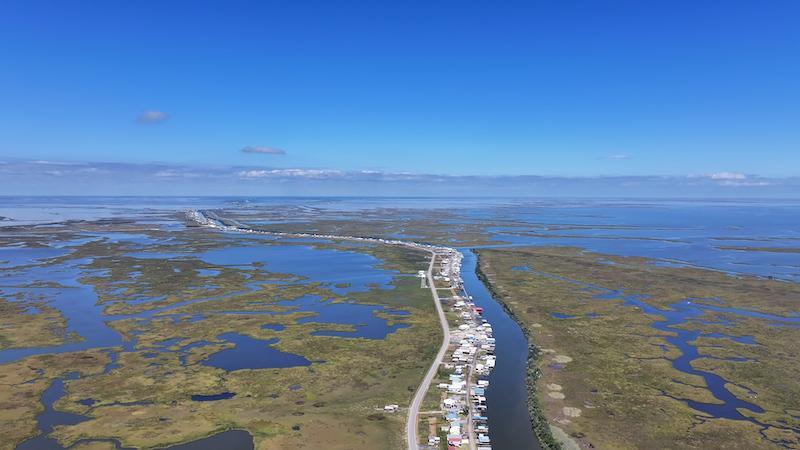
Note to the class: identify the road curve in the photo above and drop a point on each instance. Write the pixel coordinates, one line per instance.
(209, 219)
(413, 409)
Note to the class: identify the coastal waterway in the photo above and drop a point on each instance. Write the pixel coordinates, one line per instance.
(507, 396)
(615, 230)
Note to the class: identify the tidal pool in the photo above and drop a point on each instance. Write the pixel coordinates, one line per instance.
(76, 302)
(362, 316)
(556, 315)
(251, 353)
(50, 418)
(22, 256)
(679, 313)
(213, 397)
(341, 272)
(227, 440)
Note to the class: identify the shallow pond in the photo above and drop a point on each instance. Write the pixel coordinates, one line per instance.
(686, 311)
(213, 397)
(251, 353)
(227, 440)
(367, 325)
(76, 302)
(21, 256)
(50, 418)
(341, 272)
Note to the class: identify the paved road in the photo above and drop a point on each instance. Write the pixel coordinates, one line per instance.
(210, 219)
(413, 410)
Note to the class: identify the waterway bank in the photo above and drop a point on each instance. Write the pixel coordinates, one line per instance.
(532, 373)
(627, 347)
(509, 418)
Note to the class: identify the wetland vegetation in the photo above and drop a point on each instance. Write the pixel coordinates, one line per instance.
(633, 355)
(157, 337)
(148, 333)
(685, 369)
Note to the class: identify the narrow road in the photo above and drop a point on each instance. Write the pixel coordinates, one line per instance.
(413, 409)
(209, 219)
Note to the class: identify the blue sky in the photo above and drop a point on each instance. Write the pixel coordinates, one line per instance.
(588, 91)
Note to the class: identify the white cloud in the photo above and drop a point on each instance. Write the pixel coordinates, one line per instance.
(291, 173)
(263, 150)
(728, 176)
(735, 179)
(748, 183)
(253, 173)
(167, 173)
(152, 116)
(90, 173)
(618, 157)
(58, 163)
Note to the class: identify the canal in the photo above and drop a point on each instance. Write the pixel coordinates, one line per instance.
(507, 396)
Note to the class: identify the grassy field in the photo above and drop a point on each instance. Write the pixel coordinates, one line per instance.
(607, 378)
(144, 400)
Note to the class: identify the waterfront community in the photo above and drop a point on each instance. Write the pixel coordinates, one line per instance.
(316, 225)
(556, 417)
(470, 345)
(425, 329)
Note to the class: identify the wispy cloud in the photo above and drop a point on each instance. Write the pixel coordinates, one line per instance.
(96, 177)
(727, 176)
(58, 163)
(152, 116)
(291, 173)
(263, 150)
(735, 179)
(617, 157)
